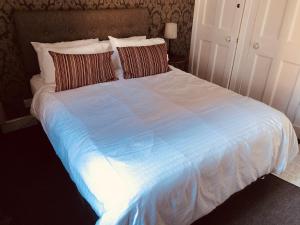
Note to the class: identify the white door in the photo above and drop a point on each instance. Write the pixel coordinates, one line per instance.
(270, 54)
(214, 39)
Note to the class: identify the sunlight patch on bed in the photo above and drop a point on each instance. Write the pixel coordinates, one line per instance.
(112, 188)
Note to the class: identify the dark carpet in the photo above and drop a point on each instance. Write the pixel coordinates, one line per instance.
(36, 190)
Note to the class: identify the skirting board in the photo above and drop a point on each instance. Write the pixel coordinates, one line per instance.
(17, 124)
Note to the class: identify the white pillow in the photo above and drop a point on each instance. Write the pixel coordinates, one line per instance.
(115, 42)
(39, 46)
(47, 61)
(66, 44)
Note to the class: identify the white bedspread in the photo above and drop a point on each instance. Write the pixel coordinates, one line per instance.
(165, 149)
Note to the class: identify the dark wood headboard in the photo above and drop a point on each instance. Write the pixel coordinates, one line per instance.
(56, 26)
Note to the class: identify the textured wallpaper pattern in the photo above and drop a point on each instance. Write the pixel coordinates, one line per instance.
(14, 86)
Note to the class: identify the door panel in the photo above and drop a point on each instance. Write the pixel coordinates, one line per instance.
(209, 12)
(203, 64)
(215, 31)
(259, 76)
(218, 75)
(287, 78)
(273, 12)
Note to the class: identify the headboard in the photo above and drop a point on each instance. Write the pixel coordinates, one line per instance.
(56, 26)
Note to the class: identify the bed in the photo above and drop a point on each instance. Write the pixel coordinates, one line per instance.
(164, 149)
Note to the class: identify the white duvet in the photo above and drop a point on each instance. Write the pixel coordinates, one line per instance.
(165, 149)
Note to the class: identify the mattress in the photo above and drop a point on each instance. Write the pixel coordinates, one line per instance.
(164, 149)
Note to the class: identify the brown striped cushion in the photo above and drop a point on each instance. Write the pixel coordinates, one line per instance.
(143, 60)
(73, 71)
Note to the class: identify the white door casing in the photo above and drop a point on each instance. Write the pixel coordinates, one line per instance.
(214, 39)
(269, 62)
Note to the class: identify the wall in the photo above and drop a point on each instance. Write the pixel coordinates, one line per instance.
(13, 85)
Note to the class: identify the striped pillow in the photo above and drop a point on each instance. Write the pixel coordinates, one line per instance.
(73, 71)
(143, 61)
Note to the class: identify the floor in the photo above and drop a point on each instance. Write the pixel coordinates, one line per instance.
(36, 190)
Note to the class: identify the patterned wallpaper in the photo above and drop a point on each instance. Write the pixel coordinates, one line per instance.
(13, 85)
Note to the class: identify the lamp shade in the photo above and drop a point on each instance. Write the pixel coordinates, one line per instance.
(171, 31)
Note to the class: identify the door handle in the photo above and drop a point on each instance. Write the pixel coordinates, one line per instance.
(228, 39)
(256, 45)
